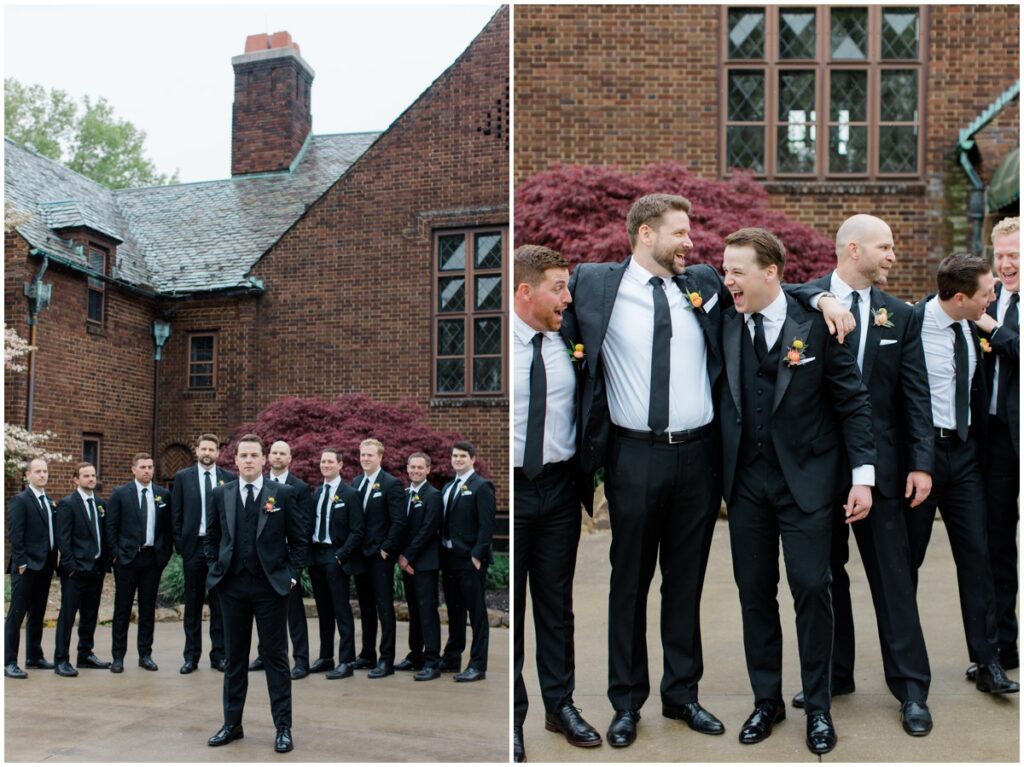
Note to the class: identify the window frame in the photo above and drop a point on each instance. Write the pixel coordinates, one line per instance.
(95, 285)
(93, 437)
(192, 335)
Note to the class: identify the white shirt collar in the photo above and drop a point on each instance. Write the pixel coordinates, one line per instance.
(203, 470)
(373, 477)
(775, 311)
(256, 483)
(139, 487)
(524, 333)
(942, 319)
(641, 274)
(85, 496)
(333, 484)
(417, 488)
(463, 477)
(842, 289)
(282, 479)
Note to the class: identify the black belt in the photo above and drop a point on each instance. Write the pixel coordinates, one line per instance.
(549, 470)
(668, 438)
(943, 433)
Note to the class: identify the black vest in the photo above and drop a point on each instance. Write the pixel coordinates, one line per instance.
(244, 556)
(758, 387)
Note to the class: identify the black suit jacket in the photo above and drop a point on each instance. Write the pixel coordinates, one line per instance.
(813, 403)
(28, 531)
(304, 503)
(125, 524)
(281, 542)
(346, 529)
(424, 529)
(186, 508)
(897, 382)
(77, 536)
(472, 522)
(385, 516)
(583, 480)
(1006, 344)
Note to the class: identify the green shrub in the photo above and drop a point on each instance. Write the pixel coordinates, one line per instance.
(172, 582)
(497, 573)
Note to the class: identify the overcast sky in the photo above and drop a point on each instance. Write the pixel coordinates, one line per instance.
(167, 69)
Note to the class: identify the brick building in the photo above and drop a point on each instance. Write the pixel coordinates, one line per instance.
(895, 111)
(369, 262)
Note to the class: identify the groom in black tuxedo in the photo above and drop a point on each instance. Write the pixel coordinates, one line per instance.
(255, 546)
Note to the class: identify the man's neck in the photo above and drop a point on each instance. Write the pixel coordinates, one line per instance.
(534, 324)
(38, 490)
(330, 480)
(852, 277)
(949, 307)
(646, 260)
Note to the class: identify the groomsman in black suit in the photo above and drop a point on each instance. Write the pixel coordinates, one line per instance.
(384, 515)
(334, 556)
(138, 535)
(255, 546)
(191, 505)
(792, 400)
(419, 563)
(547, 490)
(959, 406)
(1000, 325)
(82, 567)
(467, 531)
(280, 458)
(887, 344)
(32, 560)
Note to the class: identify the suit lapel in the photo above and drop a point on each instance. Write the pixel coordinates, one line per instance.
(34, 500)
(686, 286)
(260, 502)
(791, 329)
(231, 510)
(874, 336)
(84, 511)
(611, 290)
(732, 328)
(992, 310)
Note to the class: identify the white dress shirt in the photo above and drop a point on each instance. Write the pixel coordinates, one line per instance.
(937, 339)
(414, 490)
(41, 498)
(844, 293)
(330, 490)
(257, 487)
(455, 484)
(1002, 304)
(86, 497)
(560, 408)
(368, 487)
(202, 494)
(283, 479)
(150, 510)
(627, 351)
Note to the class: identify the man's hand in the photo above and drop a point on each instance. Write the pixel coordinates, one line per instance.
(403, 563)
(292, 586)
(919, 484)
(840, 322)
(383, 554)
(21, 570)
(476, 562)
(986, 324)
(858, 504)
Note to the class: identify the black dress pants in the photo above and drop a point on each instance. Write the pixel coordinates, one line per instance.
(195, 573)
(547, 534)
(376, 590)
(451, 656)
(298, 630)
(29, 592)
(465, 584)
(331, 592)
(79, 595)
(142, 574)
(424, 623)
(1002, 484)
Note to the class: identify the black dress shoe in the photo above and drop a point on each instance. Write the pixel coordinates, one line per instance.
(695, 715)
(283, 743)
(321, 665)
(300, 672)
(117, 667)
(759, 724)
(91, 661)
(381, 670)
(426, 674)
(575, 728)
(837, 690)
(992, 678)
(821, 735)
(257, 665)
(362, 663)
(622, 730)
(226, 734)
(221, 665)
(11, 670)
(917, 719)
(518, 750)
(65, 669)
(187, 667)
(451, 665)
(148, 663)
(343, 671)
(471, 675)
(408, 664)
(39, 663)
(972, 672)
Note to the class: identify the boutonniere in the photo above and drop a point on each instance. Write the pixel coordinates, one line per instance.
(796, 352)
(269, 506)
(695, 300)
(158, 498)
(415, 498)
(376, 485)
(101, 509)
(335, 499)
(986, 347)
(53, 505)
(576, 353)
(881, 316)
(464, 488)
(221, 482)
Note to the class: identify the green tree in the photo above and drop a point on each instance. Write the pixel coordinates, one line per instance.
(86, 136)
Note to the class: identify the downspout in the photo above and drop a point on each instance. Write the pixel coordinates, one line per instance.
(975, 201)
(38, 295)
(161, 332)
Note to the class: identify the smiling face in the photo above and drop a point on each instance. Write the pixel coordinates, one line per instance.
(876, 254)
(664, 244)
(973, 306)
(752, 286)
(462, 461)
(369, 458)
(417, 470)
(330, 465)
(1006, 260)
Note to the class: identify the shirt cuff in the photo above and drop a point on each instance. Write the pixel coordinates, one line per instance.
(864, 475)
(293, 581)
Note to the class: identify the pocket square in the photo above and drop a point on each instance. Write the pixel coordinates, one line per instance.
(339, 505)
(377, 494)
(710, 303)
(888, 341)
(804, 361)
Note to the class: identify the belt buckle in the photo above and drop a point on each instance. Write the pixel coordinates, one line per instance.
(945, 433)
(682, 438)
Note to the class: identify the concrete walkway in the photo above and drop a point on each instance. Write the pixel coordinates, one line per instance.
(143, 716)
(969, 726)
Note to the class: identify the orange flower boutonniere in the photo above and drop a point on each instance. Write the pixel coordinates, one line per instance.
(796, 353)
(269, 506)
(881, 316)
(986, 347)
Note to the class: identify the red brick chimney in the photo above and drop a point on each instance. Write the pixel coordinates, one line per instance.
(271, 115)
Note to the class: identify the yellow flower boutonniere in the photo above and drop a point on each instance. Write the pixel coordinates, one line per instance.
(269, 506)
(986, 347)
(576, 353)
(101, 509)
(796, 352)
(695, 299)
(221, 482)
(158, 498)
(376, 485)
(415, 498)
(464, 488)
(336, 499)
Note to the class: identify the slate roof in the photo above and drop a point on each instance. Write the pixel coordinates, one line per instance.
(180, 238)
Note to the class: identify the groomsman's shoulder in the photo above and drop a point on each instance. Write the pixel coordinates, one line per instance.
(183, 473)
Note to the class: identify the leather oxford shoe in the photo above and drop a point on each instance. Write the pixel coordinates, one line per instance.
(188, 667)
(622, 730)
(226, 734)
(117, 667)
(821, 735)
(343, 671)
(39, 663)
(518, 750)
(426, 674)
(917, 719)
(91, 661)
(148, 663)
(257, 665)
(695, 715)
(220, 665)
(11, 670)
(65, 669)
(471, 675)
(300, 672)
(283, 743)
(992, 678)
(837, 690)
(408, 664)
(381, 670)
(575, 728)
(362, 663)
(759, 724)
(321, 665)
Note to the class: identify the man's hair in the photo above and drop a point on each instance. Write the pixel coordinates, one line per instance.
(531, 261)
(337, 453)
(1005, 227)
(207, 437)
(424, 456)
(649, 209)
(141, 457)
(959, 273)
(82, 465)
(253, 438)
(768, 249)
(32, 460)
(375, 442)
(466, 446)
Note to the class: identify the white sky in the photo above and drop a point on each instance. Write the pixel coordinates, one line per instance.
(167, 68)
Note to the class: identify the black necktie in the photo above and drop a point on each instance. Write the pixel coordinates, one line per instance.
(533, 455)
(661, 355)
(250, 499)
(854, 335)
(207, 505)
(408, 505)
(45, 506)
(760, 344)
(91, 511)
(144, 508)
(321, 535)
(1012, 317)
(448, 509)
(960, 364)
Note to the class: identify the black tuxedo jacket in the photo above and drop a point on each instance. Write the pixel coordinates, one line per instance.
(424, 529)
(472, 522)
(346, 529)
(281, 542)
(125, 524)
(583, 480)
(303, 502)
(897, 382)
(1006, 344)
(385, 516)
(186, 507)
(76, 534)
(28, 531)
(813, 403)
